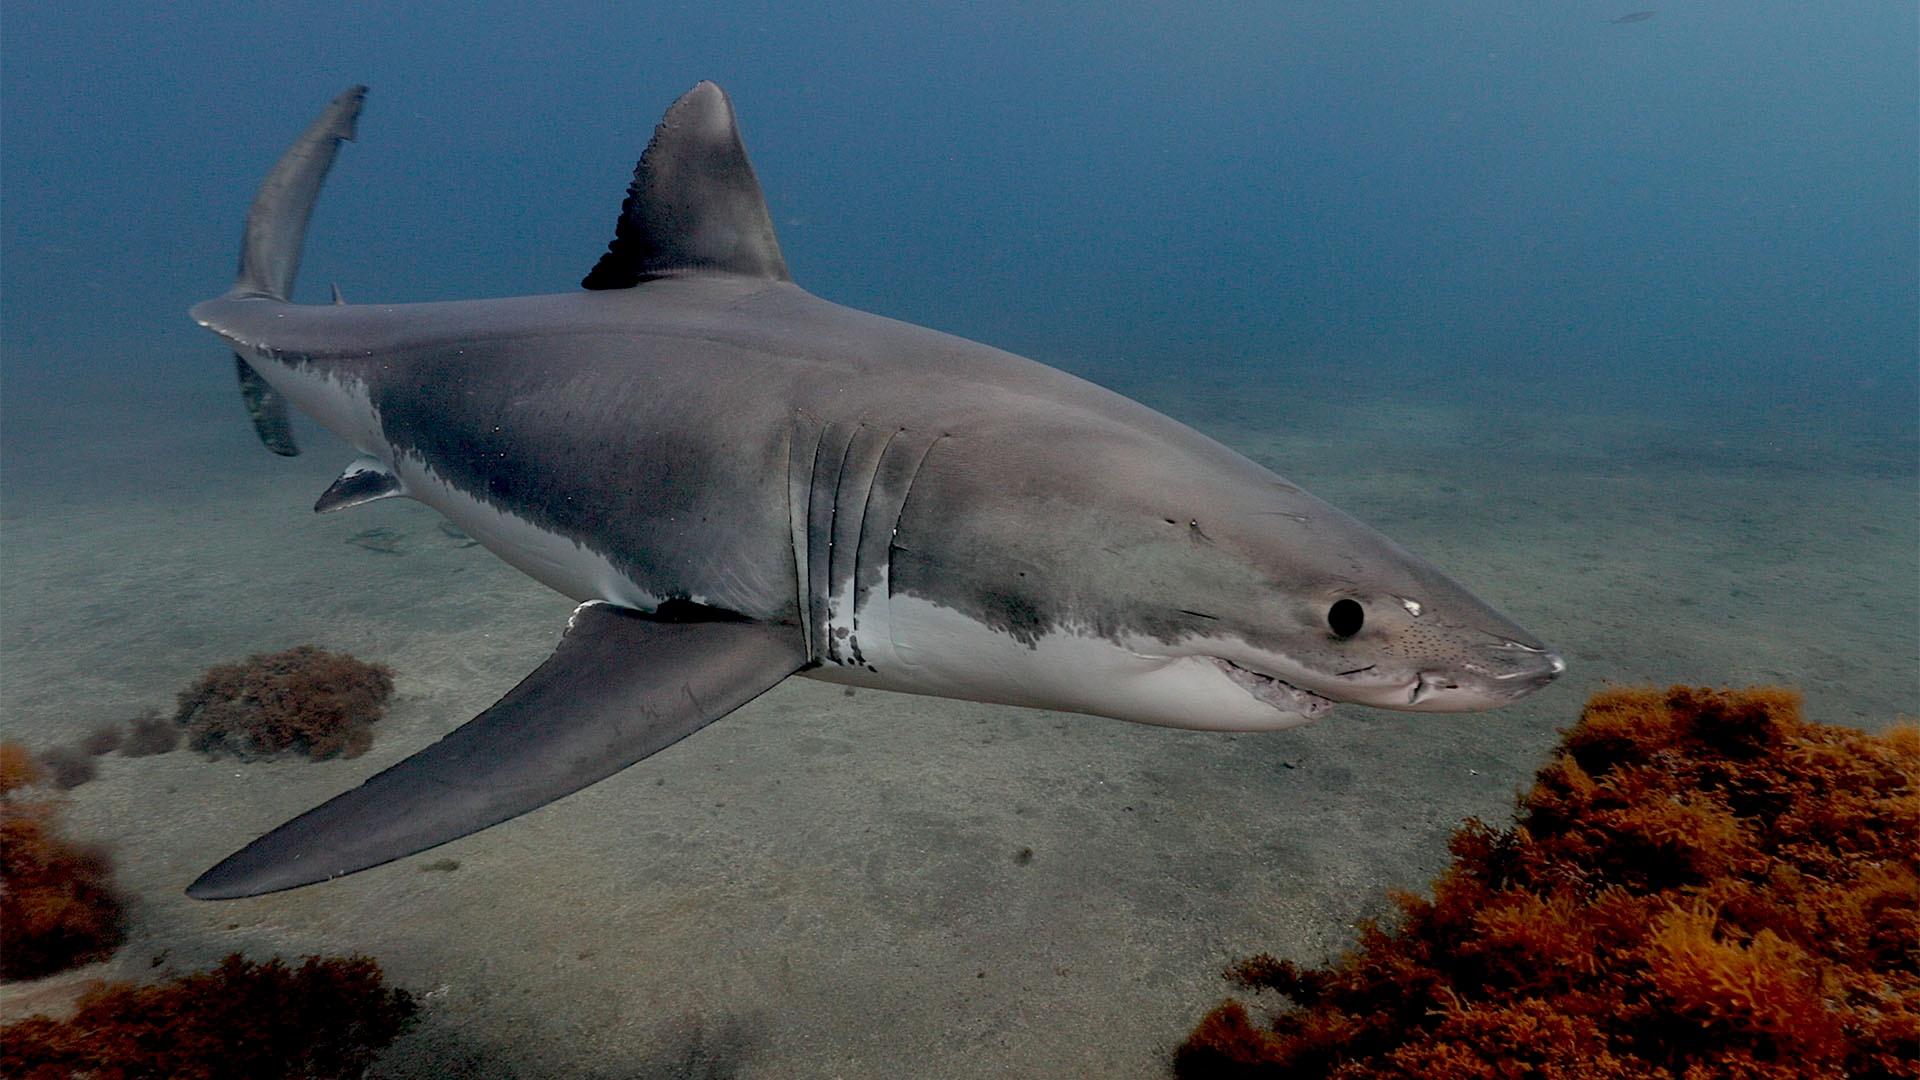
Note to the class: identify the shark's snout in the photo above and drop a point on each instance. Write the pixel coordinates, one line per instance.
(1521, 664)
(1545, 668)
(1505, 673)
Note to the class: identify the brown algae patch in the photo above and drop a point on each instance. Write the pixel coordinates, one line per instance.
(1700, 883)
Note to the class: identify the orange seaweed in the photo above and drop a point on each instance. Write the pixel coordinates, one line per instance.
(18, 768)
(1700, 884)
(58, 906)
(305, 700)
(329, 1017)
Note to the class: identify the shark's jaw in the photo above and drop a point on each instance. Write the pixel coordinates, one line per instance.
(1271, 690)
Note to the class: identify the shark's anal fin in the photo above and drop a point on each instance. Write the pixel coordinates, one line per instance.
(621, 686)
(694, 206)
(266, 408)
(363, 481)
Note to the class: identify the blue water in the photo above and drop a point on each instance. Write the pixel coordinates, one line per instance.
(1716, 203)
(1619, 322)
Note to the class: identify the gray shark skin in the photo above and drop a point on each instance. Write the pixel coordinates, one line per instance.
(740, 481)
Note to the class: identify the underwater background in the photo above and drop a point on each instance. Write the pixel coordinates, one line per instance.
(1615, 319)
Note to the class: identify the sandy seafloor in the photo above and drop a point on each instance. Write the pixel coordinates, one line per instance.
(832, 884)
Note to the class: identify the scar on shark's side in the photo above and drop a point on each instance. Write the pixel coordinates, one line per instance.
(739, 481)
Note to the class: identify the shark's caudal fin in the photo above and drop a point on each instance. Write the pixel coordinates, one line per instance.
(270, 249)
(694, 205)
(277, 221)
(621, 686)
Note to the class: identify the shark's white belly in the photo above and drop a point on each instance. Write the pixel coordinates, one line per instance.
(910, 645)
(559, 562)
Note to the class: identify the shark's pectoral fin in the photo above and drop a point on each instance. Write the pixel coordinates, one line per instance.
(363, 481)
(620, 686)
(266, 408)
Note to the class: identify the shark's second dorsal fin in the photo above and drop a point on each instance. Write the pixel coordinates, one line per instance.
(694, 206)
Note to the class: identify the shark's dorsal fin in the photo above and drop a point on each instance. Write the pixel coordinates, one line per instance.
(694, 206)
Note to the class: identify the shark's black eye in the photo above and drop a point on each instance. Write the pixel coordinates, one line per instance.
(1345, 617)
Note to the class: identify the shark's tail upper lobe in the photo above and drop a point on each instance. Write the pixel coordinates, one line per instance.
(270, 249)
(277, 221)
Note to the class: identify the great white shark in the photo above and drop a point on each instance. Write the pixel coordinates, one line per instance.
(739, 481)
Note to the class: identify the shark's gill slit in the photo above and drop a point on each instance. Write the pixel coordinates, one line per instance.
(853, 490)
(803, 448)
(856, 593)
(823, 505)
(905, 500)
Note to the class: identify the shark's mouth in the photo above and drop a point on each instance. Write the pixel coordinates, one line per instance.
(1275, 692)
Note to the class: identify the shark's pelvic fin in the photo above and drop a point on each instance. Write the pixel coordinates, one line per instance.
(362, 482)
(694, 205)
(266, 408)
(621, 686)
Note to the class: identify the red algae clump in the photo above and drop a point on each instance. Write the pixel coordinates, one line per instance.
(306, 700)
(149, 734)
(1701, 884)
(58, 907)
(327, 1018)
(18, 768)
(68, 766)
